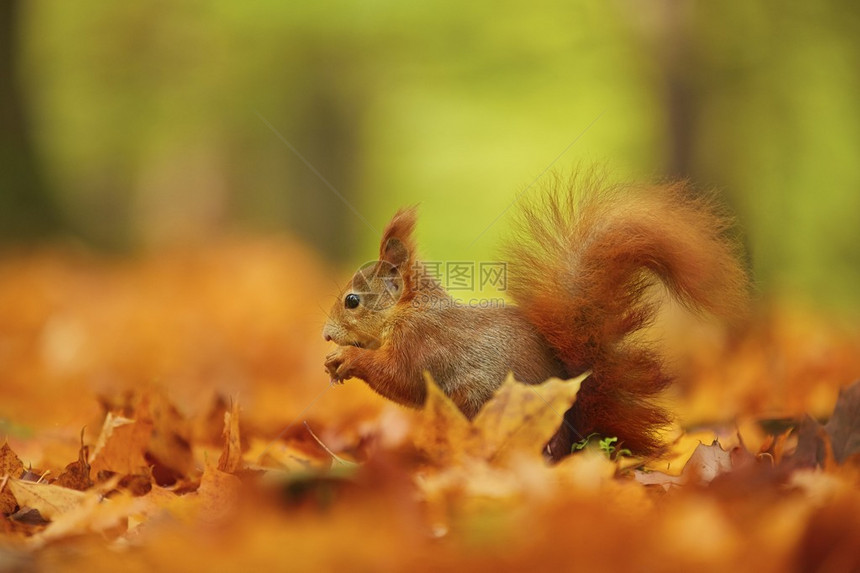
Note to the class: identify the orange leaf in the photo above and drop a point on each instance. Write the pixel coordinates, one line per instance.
(519, 417)
(121, 446)
(169, 443)
(443, 430)
(50, 500)
(10, 465)
(92, 514)
(77, 474)
(706, 463)
(523, 417)
(218, 495)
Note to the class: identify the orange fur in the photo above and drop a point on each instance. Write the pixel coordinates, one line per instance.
(396, 236)
(581, 266)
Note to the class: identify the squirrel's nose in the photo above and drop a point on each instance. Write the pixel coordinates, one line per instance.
(327, 337)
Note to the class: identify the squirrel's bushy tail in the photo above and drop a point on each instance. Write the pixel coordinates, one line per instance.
(582, 266)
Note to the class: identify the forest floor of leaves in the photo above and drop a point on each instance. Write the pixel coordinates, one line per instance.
(171, 412)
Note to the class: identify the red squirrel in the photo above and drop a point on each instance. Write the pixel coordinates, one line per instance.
(579, 268)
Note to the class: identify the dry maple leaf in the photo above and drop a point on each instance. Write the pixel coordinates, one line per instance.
(121, 446)
(836, 441)
(77, 474)
(706, 463)
(157, 436)
(443, 430)
(844, 425)
(218, 495)
(169, 444)
(50, 500)
(519, 417)
(10, 466)
(522, 417)
(92, 513)
(811, 448)
(496, 457)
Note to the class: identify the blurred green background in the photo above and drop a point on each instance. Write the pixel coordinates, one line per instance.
(136, 125)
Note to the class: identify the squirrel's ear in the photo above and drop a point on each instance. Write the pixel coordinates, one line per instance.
(397, 247)
(394, 252)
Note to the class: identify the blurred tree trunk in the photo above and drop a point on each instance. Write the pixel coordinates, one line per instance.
(667, 29)
(328, 131)
(681, 101)
(26, 209)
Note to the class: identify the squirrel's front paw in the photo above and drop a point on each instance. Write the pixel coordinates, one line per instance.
(336, 364)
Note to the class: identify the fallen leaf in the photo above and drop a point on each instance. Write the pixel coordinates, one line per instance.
(77, 474)
(518, 418)
(10, 466)
(680, 451)
(706, 463)
(844, 425)
(50, 500)
(661, 479)
(92, 514)
(169, 445)
(497, 455)
(522, 417)
(443, 429)
(218, 495)
(810, 450)
(121, 446)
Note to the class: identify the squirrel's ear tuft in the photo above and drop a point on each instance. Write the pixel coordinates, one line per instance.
(397, 247)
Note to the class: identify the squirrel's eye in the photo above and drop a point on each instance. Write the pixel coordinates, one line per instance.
(351, 300)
